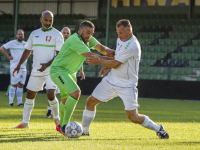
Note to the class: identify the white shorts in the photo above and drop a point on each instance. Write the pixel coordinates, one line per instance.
(105, 91)
(19, 77)
(36, 83)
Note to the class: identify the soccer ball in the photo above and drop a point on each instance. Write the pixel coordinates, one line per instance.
(73, 129)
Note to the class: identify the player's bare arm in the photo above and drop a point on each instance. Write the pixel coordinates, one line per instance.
(24, 57)
(95, 60)
(45, 65)
(103, 71)
(90, 54)
(105, 50)
(81, 73)
(3, 50)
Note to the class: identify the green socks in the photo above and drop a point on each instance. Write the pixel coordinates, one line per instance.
(70, 105)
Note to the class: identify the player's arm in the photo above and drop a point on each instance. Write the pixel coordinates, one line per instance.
(81, 73)
(95, 60)
(4, 52)
(105, 50)
(45, 65)
(90, 54)
(24, 57)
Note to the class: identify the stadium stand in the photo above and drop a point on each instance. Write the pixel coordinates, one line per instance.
(169, 42)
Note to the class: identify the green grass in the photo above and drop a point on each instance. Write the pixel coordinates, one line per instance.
(110, 130)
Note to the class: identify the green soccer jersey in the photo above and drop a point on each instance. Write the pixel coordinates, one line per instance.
(70, 57)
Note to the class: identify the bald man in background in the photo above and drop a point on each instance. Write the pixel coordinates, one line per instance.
(45, 43)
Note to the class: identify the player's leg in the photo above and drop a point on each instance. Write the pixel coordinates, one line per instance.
(34, 85)
(49, 112)
(129, 97)
(89, 113)
(69, 92)
(102, 93)
(52, 99)
(12, 91)
(19, 92)
(20, 85)
(7, 92)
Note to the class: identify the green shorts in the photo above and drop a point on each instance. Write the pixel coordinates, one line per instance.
(64, 80)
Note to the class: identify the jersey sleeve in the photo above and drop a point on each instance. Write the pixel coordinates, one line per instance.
(59, 42)
(78, 46)
(92, 42)
(29, 43)
(124, 54)
(8, 45)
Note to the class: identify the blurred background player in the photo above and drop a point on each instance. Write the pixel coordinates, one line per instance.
(17, 83)
(66, 64)
(121, 81)
(66, 33)
(45, 43)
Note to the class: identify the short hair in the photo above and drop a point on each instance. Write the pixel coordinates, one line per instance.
(124, 22)
(87, 24)
(19, 30)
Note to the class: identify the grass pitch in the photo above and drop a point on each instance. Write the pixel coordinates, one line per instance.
(110, 129)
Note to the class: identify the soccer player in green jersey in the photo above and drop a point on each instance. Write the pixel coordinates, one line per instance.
(66, 64)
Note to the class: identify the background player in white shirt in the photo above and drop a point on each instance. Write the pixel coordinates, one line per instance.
(121, 81)
(45, 43)
(16, 50)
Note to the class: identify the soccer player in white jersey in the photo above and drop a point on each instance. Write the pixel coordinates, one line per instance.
(121, 81)
(45, 43)
(16, 50)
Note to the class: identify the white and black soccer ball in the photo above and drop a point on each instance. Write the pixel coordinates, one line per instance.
(73, 129)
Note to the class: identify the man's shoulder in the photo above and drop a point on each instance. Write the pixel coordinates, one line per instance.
(74, 38)
(35, 31)
(57, 32)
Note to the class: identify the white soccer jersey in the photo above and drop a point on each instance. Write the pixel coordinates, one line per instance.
(44, 45)
(128, 53)
(16, 51)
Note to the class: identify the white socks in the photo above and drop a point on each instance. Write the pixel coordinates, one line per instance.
(11, 94)
(148, 123)
(87, 119)
(28, 106)
(54, 108)
(19, 95)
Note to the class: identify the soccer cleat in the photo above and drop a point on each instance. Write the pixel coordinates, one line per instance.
(11, 104)
(58, 128)
(86, 133)
(48, 115)
(162, 134)
(22, 125)
(57, 121)
(21, 104)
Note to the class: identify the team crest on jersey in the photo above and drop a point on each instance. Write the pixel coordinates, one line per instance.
(48, 38)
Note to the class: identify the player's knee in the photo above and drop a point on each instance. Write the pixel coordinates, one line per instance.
(91, 101)
(31, 94)
(76, 94)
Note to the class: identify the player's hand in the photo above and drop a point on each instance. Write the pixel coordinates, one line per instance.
(16, 70)
(81, 73)
(44, 66)
(111, 53)
(10, 57)
(93, 60)
(103, 71)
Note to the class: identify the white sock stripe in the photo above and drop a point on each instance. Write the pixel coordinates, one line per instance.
(89, 113)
